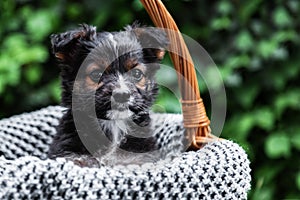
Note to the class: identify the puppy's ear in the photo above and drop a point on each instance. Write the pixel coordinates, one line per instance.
(154, 42)
(70, 46)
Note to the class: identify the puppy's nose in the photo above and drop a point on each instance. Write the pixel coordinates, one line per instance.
(121, 96)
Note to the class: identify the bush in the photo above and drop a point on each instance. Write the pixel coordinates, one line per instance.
(254, 43)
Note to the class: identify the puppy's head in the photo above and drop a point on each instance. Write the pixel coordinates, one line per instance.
(115, 70)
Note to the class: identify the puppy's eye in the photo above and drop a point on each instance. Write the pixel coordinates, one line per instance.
(137, 74)
(95, 75)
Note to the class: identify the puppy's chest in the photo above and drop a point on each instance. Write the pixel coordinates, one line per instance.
(116, 130)
(128, 136)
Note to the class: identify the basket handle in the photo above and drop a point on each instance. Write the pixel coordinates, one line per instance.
(195, 118)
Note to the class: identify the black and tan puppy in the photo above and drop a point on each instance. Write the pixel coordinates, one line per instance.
(110, 74)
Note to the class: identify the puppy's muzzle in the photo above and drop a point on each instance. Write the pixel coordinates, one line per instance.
(121, 96)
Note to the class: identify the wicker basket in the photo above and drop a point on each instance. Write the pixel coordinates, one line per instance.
(220, 170)
(196, 121)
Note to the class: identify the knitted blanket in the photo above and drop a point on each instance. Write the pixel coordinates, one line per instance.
(220, 170)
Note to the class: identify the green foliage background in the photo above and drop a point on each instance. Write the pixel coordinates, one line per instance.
(254, 43)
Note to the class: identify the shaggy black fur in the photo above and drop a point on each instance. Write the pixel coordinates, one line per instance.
(113, 55)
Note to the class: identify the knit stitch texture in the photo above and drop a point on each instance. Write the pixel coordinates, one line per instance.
(220, 170)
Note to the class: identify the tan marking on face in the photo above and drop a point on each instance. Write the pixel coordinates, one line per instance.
(160, 54)
(60, 56)
(142, 83)
(89, 83)
(130, 64)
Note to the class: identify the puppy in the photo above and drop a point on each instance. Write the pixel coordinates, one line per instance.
(108, 87)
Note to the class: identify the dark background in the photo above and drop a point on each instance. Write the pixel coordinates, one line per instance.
(254, 43)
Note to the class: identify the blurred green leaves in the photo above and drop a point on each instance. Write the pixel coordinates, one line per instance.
(24, 53)
(33, 74)
(287, 100)
(281, 17)
(42, 20)
(266, 48)
(278, 145)
(298, 180)
(244, 41)
(221, 23)
(254, 43)
(9, 72)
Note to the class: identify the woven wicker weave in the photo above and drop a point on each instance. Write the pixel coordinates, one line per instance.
(196, 121)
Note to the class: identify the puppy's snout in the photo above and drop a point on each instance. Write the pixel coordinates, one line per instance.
(121, 96)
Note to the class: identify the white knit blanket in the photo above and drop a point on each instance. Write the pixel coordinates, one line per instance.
(220, 170)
